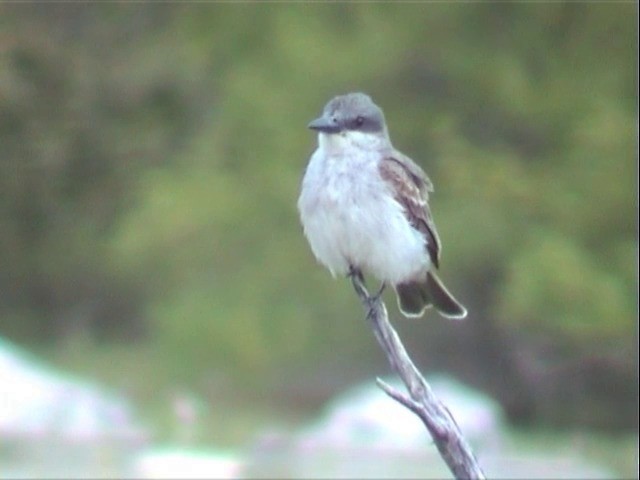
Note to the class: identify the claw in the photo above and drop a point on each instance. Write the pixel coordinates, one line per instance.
(378, 294)
(372, 300)
(355, 273)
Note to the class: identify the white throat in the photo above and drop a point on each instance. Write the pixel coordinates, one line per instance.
(349, 139)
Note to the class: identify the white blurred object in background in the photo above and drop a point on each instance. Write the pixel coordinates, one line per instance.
(365, 434)
(175, 462)
(366, 416)
(53, 424)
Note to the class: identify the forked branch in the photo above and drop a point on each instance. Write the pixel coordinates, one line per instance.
(453, 448)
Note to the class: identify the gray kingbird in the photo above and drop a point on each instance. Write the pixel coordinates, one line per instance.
(364, 207)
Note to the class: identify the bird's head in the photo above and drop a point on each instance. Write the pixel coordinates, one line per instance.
(351, 119)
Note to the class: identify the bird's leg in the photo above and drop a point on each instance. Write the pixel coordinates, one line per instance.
(372, 301)
(355, 274)
(378, 294)
(357, 279)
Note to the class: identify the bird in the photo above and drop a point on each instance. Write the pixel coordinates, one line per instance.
(364, 207)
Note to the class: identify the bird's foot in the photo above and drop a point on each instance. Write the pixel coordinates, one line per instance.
(372, 301)
(357, 278)
(378, 294)
(355, 274)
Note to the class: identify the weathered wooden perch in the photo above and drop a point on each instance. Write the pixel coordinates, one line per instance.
(421, 400)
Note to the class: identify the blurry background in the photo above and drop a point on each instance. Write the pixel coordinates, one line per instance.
(150, 163)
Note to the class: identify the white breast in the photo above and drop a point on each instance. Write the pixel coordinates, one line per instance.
(350, 217)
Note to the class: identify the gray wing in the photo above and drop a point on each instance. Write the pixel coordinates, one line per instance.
(411, 187)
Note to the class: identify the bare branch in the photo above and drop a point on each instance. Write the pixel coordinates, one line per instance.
(453, 448)
(399, 397)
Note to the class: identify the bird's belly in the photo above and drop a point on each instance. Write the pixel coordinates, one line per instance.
(365, 227)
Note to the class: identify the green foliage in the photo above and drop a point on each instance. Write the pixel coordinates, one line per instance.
(152, 159)
(80, 118)
(555, 286)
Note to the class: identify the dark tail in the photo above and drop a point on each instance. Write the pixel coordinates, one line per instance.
(415, 297)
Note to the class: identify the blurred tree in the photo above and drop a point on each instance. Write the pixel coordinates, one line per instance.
(81, 115)
(152, 159)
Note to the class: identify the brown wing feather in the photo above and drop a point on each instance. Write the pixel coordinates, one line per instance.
(411, 188)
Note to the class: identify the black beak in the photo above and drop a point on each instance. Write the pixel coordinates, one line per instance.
(324, 125)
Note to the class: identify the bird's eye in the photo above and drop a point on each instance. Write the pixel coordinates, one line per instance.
(359, 121)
